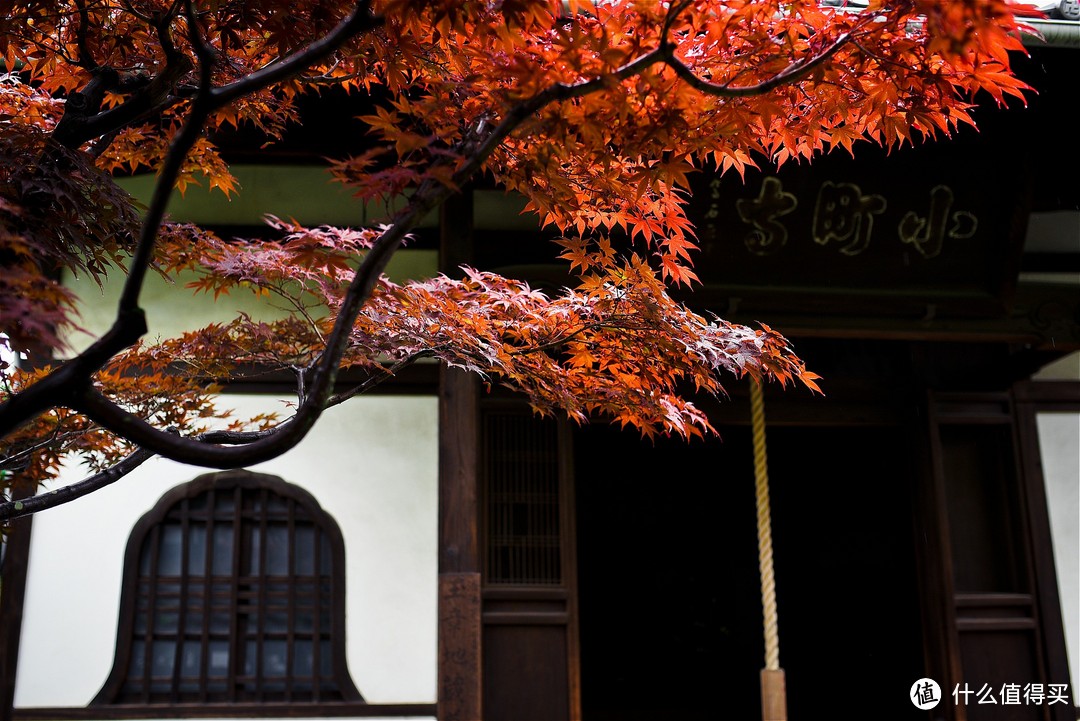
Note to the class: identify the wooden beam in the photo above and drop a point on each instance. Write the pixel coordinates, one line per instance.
(460, 629)
(16, 558)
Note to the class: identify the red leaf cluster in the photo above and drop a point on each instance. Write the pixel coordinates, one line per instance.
(596, 112)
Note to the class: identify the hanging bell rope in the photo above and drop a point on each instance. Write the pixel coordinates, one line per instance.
(773, 696)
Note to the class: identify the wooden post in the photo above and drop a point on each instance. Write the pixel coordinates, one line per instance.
(459, 656)
(12, 595)
(773, 696)
(13, 570)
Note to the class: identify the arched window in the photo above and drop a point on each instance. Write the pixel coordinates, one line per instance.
(233, 593)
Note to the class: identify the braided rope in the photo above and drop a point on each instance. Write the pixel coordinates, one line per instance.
(764, 530)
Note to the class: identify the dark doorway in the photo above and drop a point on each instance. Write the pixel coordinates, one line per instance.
(669, 597)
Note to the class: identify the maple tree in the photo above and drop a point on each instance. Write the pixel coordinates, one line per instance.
(594, 111)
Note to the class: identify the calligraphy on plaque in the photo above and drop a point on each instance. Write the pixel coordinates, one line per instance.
(929, 223)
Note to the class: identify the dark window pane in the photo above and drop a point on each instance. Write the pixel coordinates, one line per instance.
(164, 656)
(193, 622)
(277, 549)
(219, 622)
(521, 476)
(225, 507)
(146, 556)
(303, 658)
(277, 622)
(249, 623)
(277, 505)
(223, 551)
(252, 503)
(218, 659)
(190, 659)
(253, 550)
(275, 658)
(137, 666)
(169, 550)
(196, 565)
(166, 621)
(325, 555)
(304, 550)
(251, 658)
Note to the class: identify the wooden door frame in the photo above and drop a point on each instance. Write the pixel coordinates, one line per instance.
(1015, 409)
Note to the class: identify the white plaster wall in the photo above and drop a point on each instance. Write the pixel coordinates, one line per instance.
(1059, 445)
(161, 297)
(371, 463)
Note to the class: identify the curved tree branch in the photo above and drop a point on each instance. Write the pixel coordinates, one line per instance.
(70, 384)
(10, 510)
(73, 377)
(793, 73)
(429, 196)
(155, 95)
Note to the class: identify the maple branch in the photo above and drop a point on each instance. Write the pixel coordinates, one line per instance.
(791, 74)
(317, 394)
(560, 91)
(69, 384)
(72, 378)
(361, 19)
(14, 461)
(11, 510)
(210, 99)
(154, 96)
(568, 336)
(14, 509)
(673, 13)
(85, 59)
(224, 449)
(429, 196)
(375, 380)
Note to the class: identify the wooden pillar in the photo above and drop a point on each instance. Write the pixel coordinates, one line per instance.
(460, 631)
(12, 594)
(15, 564)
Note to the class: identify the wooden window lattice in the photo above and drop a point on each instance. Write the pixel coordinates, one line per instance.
(521, 476)
(233, 602)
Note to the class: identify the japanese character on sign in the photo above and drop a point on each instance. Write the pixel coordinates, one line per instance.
(768, 235)
(844, 214)
(927, 234)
